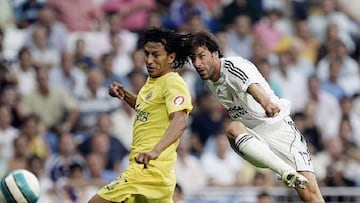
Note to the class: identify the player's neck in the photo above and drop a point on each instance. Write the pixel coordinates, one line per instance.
(216, 71)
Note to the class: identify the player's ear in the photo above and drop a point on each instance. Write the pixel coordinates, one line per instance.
(215, 54)
(171, 58)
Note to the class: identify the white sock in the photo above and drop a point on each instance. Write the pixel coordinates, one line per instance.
(259, 154)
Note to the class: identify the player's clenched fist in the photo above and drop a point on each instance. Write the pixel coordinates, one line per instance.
(117, 90)
(271, 109)
(144, 158)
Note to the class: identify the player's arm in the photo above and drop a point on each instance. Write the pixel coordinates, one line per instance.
(176, 128)
(118, 90)
(260, 96)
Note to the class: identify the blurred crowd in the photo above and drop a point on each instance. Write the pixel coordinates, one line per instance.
(58, 57)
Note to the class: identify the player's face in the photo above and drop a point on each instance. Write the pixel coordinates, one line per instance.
(158, 61)
(205, 64)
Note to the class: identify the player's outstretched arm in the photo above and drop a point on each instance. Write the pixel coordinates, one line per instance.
(118, 90)
(174, 131)
(260, 96)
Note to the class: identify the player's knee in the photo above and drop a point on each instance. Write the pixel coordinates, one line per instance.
(234, 129)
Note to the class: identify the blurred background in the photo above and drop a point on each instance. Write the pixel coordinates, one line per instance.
(58, 57)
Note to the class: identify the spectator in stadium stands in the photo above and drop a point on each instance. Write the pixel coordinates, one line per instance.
(347, 136)
(305, 123)
(82, 59)
(138, 61)
(7, 134)
(349, 74)
(122, 63)
(123, 117)
(193, 23)
(349, 113)
(93, 101)
(206, 124)
(80, 15)
(264, 197)
(54, 107)
(326, 108)
(333, 154)
(122, 120)
(57, 165)
(24, 69)
(134, 13)
(266, 70)
(267, 29)
(76, 187)
(188, 169)
(181, 10)
(331, 35)
(20, 155)
(2, 37)
(32, 129)
(68, 76)
(101, 140)
(57, 31)
(241, 37)
(42, 54)
(292, 83)
(259, 52)
(333, 84)
(224, 43)
(28, 13)
(96, 172)
(129, 39)
(222, 159)
(107, 70)
(10, 97)
(7, 17)
(7, 76)
(36, 165)
(329, 13)
(241, 7)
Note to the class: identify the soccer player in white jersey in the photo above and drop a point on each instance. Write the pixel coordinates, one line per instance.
(261, 130)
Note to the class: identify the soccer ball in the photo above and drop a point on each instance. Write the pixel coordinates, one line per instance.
(19, 186)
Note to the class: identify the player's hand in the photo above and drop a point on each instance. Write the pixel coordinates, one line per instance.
(117, 90)
(271, 109)
(144, 158)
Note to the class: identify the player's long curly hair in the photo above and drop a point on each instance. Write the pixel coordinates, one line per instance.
(173, 42)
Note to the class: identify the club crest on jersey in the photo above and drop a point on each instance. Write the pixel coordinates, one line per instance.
(148, 96)
(179, 100)
(219, 91)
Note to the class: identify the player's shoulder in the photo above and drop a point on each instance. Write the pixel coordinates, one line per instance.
(233, 59)
(236, 62)
(172, 76)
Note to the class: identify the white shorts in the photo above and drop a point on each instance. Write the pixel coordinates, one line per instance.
(286, 141)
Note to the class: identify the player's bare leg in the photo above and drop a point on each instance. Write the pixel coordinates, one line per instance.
(312, 192)
(97, 199)
(259, 154)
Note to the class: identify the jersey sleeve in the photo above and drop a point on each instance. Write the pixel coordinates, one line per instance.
(177, 95)
(242, 74)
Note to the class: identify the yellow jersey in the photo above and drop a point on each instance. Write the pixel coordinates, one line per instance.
(157, 99)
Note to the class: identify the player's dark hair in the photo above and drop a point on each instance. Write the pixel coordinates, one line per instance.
(172, 41)
(205, 39)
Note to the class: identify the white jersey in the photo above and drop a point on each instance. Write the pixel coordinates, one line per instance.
(236, 75)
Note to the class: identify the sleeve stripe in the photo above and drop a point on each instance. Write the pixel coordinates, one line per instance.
(236, 71)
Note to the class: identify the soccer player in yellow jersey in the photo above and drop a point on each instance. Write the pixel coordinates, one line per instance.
(162, 107)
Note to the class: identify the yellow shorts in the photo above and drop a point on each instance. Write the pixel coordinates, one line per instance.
(140, 185)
